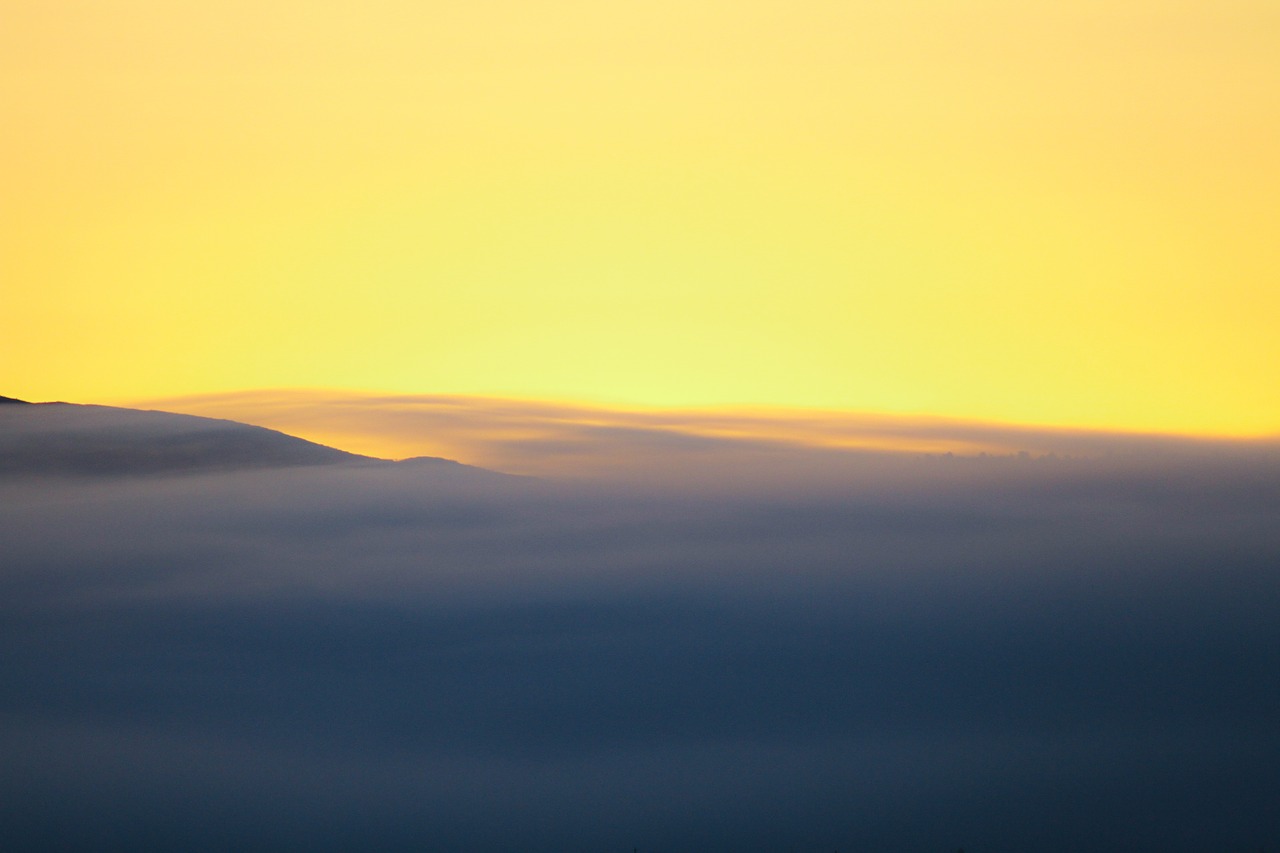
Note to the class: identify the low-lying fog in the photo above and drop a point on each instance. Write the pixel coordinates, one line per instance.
(919, 654)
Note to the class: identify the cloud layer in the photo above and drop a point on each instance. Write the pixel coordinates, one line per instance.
(988, 653)
(664, 446)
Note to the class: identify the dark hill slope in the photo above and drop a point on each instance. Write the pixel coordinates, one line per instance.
(61, 439)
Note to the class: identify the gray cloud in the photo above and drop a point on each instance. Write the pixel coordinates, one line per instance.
(995, 653)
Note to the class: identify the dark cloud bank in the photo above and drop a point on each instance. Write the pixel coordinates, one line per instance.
(272, 652)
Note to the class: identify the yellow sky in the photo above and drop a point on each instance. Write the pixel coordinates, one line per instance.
(1028, 211)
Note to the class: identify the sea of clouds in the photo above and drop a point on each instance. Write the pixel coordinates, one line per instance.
(910, 653)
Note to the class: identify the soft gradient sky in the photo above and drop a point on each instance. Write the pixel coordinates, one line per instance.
(1057, 212)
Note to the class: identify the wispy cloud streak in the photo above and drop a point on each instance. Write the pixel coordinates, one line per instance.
(566, 439)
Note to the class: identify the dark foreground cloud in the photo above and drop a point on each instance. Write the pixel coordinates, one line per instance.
(925, 655)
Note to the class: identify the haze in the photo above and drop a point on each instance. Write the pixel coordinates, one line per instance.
(292, 649)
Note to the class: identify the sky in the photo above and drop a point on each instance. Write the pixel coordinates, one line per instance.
(1018, 212)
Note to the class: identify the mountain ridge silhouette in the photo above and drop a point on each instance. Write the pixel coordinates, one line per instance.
(69, 439)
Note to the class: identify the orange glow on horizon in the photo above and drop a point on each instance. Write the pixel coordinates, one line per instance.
(546, 438)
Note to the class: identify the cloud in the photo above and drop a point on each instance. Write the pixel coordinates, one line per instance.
(729, 448)
(984, 653)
